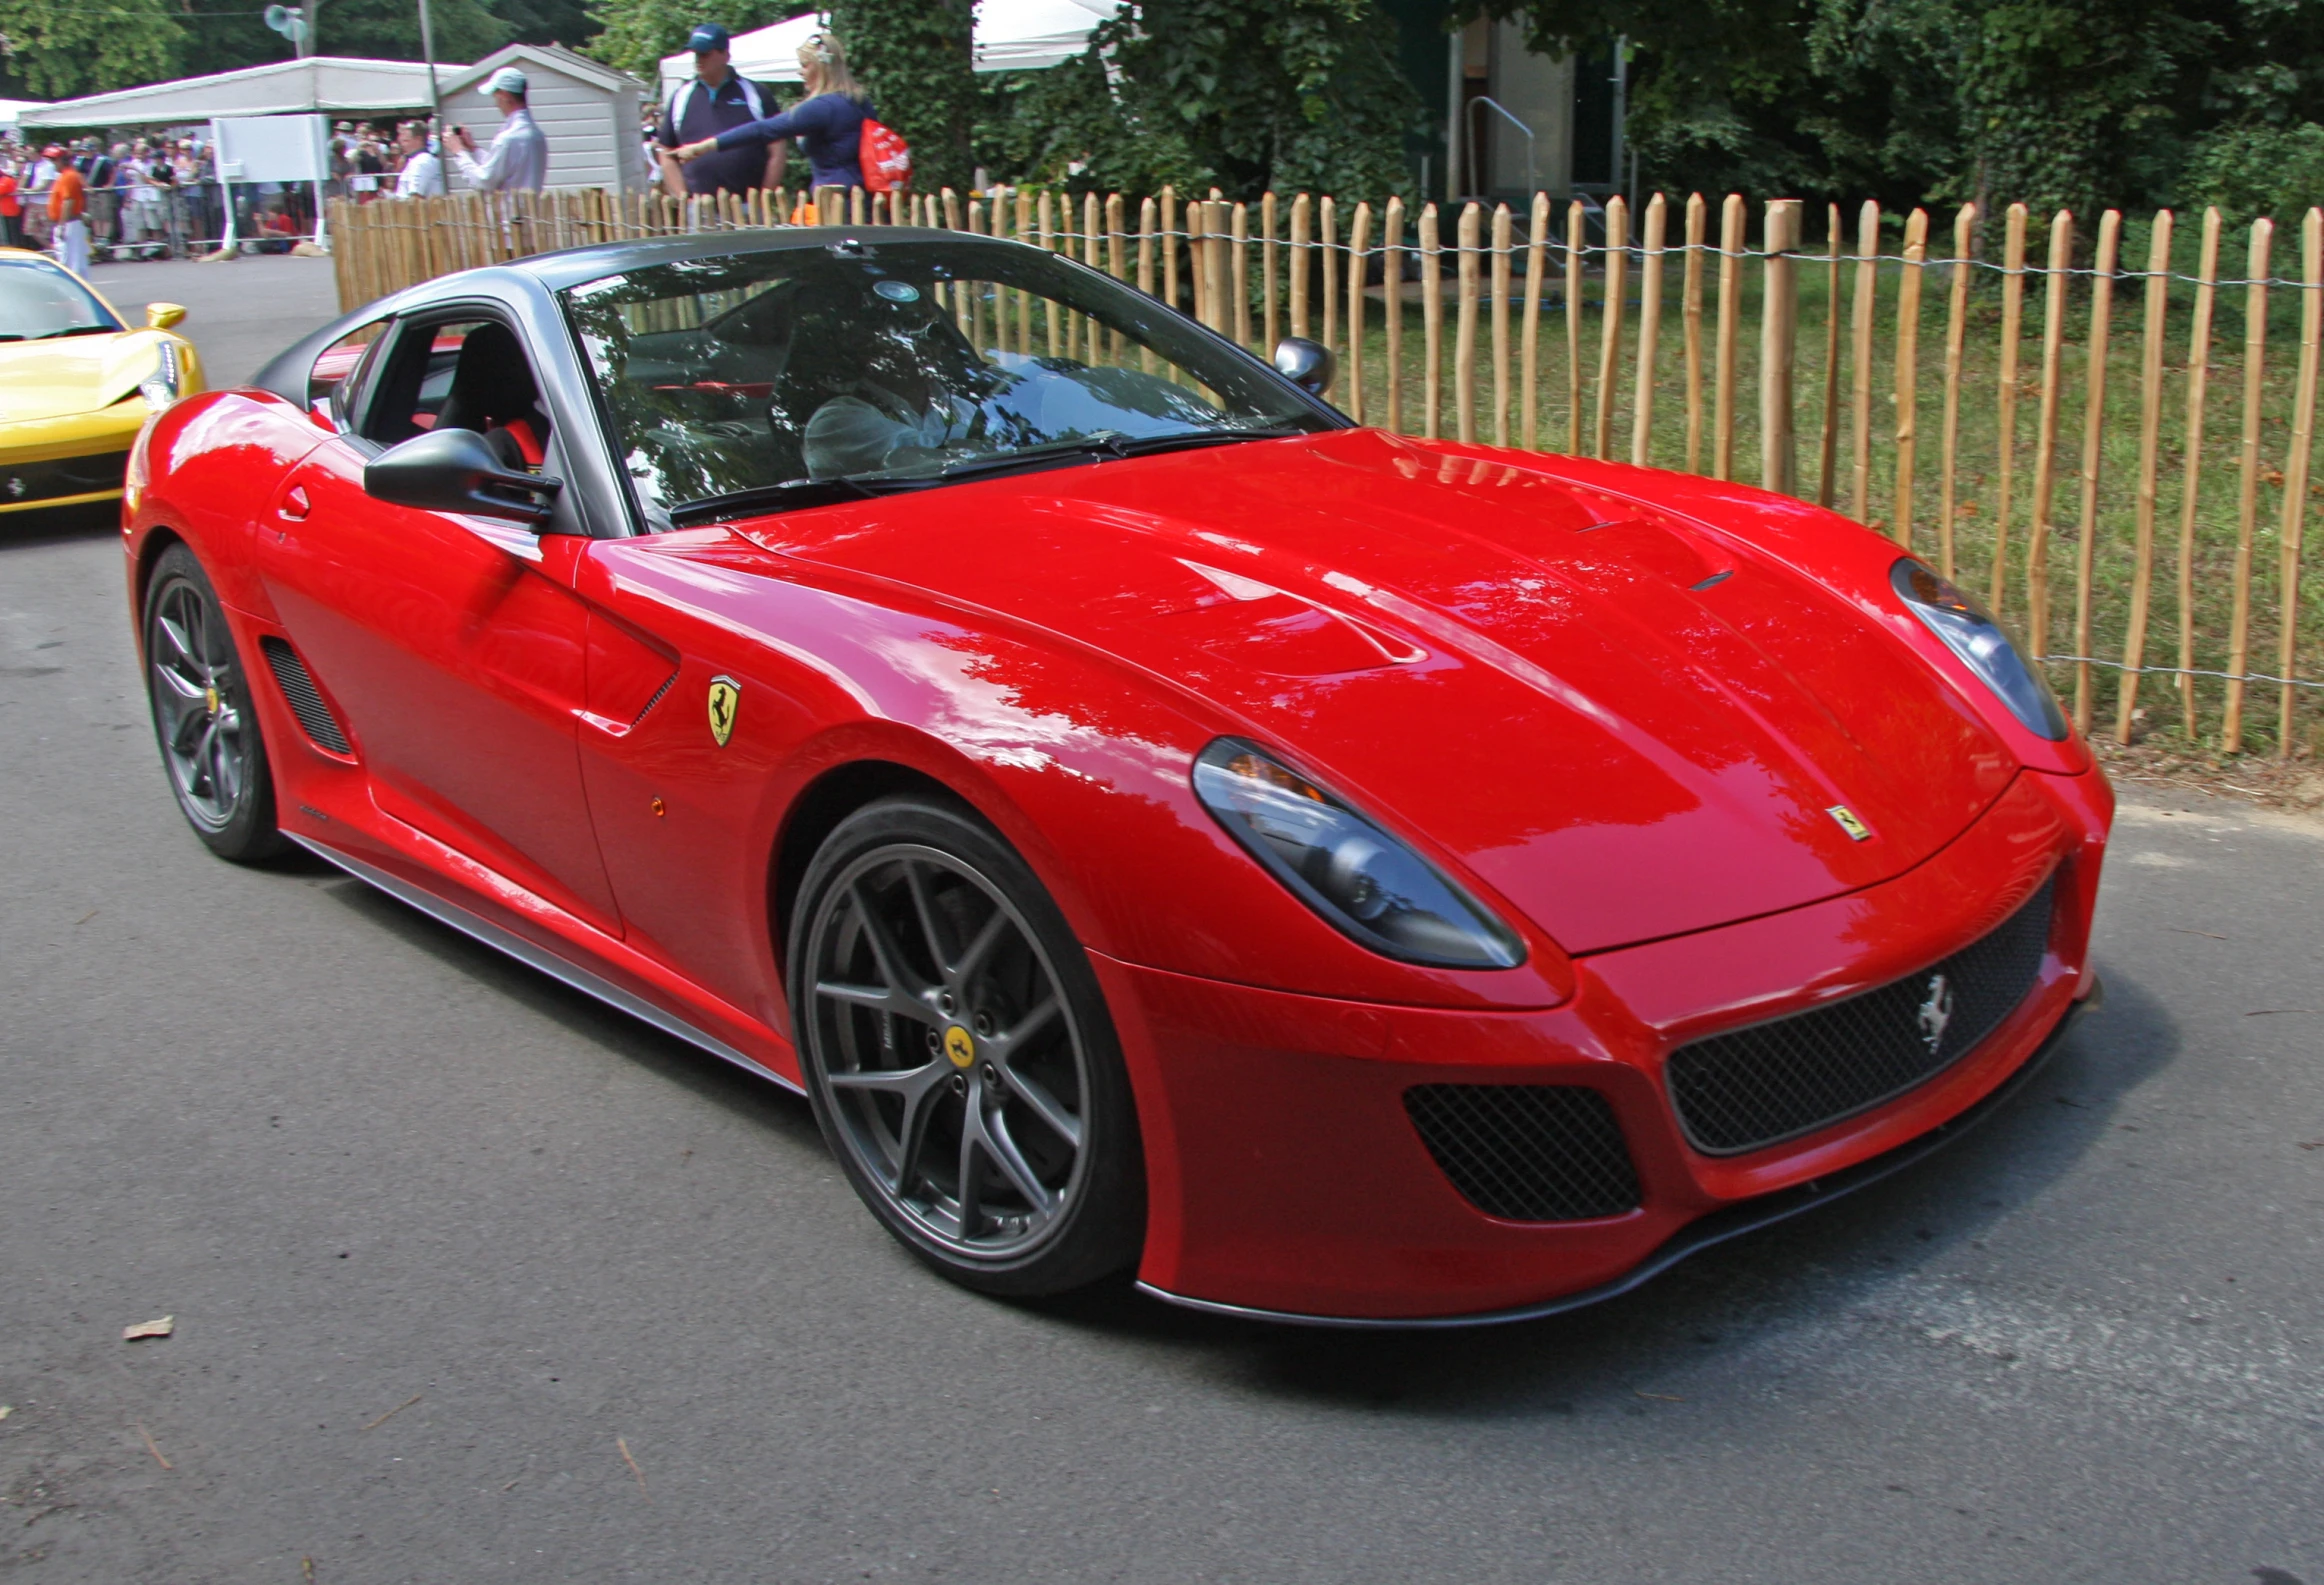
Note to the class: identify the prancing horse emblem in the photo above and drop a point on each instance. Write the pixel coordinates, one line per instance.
(1936, 1012)
(725, 700)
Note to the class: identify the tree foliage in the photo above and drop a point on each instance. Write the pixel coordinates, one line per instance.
(2053, 102)
(60, 50)
(917, 60)
(1243, 94)
(634, 35)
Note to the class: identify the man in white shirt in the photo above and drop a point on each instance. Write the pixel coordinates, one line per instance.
(422, 175)
(519, 157)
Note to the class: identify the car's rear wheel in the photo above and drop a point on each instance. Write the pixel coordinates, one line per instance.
(202, 715)
(959, 1056)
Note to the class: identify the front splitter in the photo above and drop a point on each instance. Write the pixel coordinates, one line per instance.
(1695, 1237)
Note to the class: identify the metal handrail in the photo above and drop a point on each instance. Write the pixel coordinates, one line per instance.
(1469, 138)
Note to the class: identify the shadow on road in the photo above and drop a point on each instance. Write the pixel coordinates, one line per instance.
(1820, 1267)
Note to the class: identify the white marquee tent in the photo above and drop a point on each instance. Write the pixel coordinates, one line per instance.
(332, 85)
(1011, 35)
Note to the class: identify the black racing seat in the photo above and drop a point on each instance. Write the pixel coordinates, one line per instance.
(493, 393)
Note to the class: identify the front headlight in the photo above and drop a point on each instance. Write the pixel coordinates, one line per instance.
(160, 388)
(1364, 882)
(1983, 647)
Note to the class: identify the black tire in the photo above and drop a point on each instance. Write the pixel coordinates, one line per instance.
(203, 719)
(968, 1020)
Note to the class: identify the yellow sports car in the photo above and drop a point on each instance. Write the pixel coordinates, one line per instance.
(76, 383)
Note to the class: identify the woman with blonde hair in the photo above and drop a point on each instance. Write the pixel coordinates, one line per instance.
(828, 123)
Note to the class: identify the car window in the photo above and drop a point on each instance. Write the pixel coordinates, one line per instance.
(468, 373)
(39, 301)
(895, 363)
(329, 380)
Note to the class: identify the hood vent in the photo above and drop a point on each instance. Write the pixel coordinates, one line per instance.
(303, 697)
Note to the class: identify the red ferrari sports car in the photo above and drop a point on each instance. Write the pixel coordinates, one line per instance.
(1159, 824)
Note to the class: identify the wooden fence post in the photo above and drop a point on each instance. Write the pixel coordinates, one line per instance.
(1359, 238)
(1504, 245)
(1649, 330)
(2255, 337)
(1860, 362)
(1732, 219)
(1576, 239)
(1267, 266)
(1536, 266)
(2198, 382)
(1300, 211)
(1610, 320)
(2150, 431)
(1778, 337)
(1691, 296)
(2093, 439)
(1327, 258)
(2012, 334)
(1392, 272)
(2294, 523)
(2037, 543)
(1956, 338)
(1239, 287)
(1908, 351)
(1470, 238)
(1431, 323)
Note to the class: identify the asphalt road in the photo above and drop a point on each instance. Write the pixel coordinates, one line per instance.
(475, 1281)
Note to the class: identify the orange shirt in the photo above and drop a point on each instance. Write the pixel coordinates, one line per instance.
(66, 199)
(10, 205)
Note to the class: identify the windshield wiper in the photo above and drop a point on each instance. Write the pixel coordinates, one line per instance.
(74, 330)
(1106, 443)
(787, 496)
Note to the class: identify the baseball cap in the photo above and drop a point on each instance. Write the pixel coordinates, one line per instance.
(507, 80)
(709, 36)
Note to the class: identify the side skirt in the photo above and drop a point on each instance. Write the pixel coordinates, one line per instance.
(532, 956)
(1717, 1228)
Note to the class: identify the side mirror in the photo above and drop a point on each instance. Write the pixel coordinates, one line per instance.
(160, 316)
(1306, 364)
(454, 470)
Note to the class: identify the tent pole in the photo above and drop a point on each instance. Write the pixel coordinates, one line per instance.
(428, 54)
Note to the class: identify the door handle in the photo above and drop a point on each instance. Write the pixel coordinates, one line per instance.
(295, 505)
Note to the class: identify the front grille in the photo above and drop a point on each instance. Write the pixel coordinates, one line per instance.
(1527, 1152)
(1751, 1088)
(301, 694)
(26, 482)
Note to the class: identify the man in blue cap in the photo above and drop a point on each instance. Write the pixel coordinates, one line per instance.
(715, 98)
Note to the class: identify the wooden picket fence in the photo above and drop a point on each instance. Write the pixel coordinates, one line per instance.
(1779, 346)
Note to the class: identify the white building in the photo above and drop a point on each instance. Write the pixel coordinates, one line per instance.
(587, 110)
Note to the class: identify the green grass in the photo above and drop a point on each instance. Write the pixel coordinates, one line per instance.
(1977, 465)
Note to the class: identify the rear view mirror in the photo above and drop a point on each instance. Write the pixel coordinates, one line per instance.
(160, 316)
(454, 470)
(1306, 364)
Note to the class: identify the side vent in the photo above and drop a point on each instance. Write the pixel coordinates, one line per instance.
(667, 684)
(300, 693)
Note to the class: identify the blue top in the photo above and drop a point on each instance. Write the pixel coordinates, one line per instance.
(829, 128)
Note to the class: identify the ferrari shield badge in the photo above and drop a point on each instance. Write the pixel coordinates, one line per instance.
(1842, 816)
(725, 700)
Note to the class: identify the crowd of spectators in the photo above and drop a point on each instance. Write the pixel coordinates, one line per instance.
(159, 197)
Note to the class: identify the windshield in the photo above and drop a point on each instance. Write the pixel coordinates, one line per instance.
(808, 374)
(38, 300)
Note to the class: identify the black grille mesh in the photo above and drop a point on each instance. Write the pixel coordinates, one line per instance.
(305, 700)
(41, 481)
(1753, 1087)
(1527, 1152)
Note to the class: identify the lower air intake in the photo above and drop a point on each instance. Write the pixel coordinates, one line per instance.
(1527, 1152)
(300, 693)
(1755, 1087)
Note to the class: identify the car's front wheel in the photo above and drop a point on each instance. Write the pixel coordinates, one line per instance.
(958, 1054)
(202, 715)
